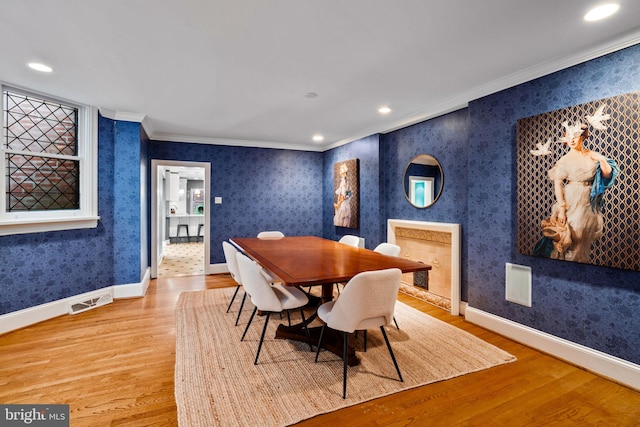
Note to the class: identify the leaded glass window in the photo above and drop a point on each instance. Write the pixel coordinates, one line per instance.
(40, 143)
(48, 163)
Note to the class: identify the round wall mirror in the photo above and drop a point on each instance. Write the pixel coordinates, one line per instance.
(423, 181)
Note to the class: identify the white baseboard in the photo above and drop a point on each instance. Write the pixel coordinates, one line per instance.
(32, 315)
(605, 365)
(133, 290)
(463, 307)
(217, 268)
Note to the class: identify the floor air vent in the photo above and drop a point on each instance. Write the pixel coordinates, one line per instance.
(80, 306)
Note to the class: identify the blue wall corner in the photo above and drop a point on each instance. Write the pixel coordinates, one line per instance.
(590, 305)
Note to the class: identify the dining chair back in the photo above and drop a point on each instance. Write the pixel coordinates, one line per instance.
(269, 298)
(367, 301)
(271, 278)
(351, 240)
(270, 235)
(230, 252)
(388, 249)
(256, 286)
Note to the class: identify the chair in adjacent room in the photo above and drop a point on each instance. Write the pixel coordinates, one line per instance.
(184, 227)
(232, 264)
(368, 301)
(392, 250)
(269, 298)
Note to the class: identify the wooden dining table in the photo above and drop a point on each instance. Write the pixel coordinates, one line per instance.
(304, 261)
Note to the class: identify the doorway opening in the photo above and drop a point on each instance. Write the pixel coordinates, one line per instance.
(180, 218)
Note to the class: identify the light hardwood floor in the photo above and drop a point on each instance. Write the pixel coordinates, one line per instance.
(115, 366)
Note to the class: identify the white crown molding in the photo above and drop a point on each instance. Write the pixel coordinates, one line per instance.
(460, 100)
(147, 126)
(233, 142)
(122, 115)
(434, 110)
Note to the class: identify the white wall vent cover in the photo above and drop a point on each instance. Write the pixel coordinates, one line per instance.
(97, 301)
(518, 284)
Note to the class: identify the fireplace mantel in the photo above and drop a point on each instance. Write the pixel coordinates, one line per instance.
(446, 237)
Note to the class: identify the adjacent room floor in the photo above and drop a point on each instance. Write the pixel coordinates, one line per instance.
(182, 259)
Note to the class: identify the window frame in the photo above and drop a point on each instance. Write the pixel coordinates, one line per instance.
(86, 216)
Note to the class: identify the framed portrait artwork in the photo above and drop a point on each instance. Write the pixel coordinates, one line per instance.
(578, 183)
(346, 192)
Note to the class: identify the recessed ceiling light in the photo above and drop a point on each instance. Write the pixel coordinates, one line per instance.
(384, 110)
(601, 12)
(318, 138)
(40, 67)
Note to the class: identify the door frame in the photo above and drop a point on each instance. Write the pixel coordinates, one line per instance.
(156, 199)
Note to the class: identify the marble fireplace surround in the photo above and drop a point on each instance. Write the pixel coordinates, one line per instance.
(437, 244)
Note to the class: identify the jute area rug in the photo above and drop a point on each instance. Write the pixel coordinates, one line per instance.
(217, 384)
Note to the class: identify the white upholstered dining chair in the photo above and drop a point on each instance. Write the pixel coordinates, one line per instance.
(367, 301)
(270, 235)
(351, 240)
(392, 250)
(388, 249)
(232, 264)
(266, 235)
(272, 278)
(269, 298)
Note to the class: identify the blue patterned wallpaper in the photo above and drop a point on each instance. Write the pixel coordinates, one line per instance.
(445, 138)
(261, 189)
(593, 306)
(127, 223)
(280, 189)
(43, 267)
(145, 204)
(366, 150)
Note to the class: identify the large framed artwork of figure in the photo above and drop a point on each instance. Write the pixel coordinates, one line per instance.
(578, 183)
(346, 193)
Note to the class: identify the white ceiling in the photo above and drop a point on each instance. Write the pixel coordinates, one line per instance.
(237, 72)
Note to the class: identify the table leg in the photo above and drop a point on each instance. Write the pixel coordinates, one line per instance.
(327, 292)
